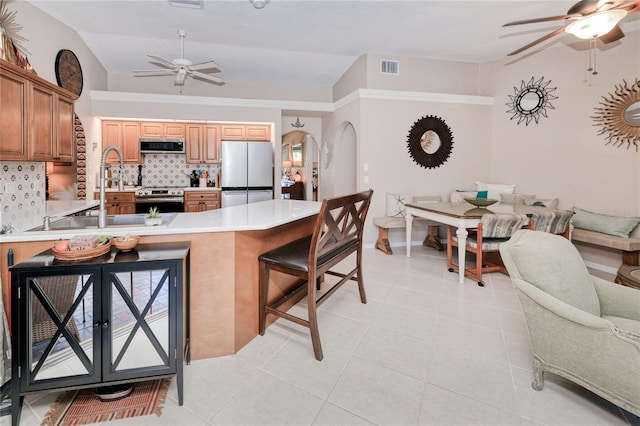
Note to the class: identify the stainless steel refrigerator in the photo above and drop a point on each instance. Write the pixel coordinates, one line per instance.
(246, 172)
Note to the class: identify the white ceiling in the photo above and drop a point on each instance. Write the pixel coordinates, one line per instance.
(307, 41)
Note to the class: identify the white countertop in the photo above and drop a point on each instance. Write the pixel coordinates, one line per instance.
(202, 188)
(248, 217)
(55, 208)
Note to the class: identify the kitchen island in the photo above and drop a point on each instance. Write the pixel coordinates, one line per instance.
(225, 245)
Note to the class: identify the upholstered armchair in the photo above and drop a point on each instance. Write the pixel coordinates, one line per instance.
(581, 327)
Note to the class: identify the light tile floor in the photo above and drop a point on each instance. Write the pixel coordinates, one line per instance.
(423, 351)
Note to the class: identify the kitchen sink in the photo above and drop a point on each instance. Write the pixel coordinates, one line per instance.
(88, 222)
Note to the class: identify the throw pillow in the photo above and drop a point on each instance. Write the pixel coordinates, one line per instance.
(459, 196)
(395, 204)
(514, 199)
(551, 203)
(618, 226)
(495, 189)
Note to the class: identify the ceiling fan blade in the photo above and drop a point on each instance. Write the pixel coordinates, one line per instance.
(547, 19)
(210, 78)
(613, 35)
(160, 61)
(150, 73)
(540, 40)
(209, 65)
(631, 7)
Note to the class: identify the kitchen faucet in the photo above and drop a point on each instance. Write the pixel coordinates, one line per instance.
(102, 213)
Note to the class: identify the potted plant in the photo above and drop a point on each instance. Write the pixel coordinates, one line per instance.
(153, 218)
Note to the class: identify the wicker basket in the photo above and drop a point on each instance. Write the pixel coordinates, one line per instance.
(82, 254)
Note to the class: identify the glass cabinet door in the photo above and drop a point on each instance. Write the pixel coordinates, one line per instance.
(60, 329)
(142, 330)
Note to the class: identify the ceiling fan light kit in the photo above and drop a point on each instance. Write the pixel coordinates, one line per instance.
(259, 4)
(588, 20)
(597, 24)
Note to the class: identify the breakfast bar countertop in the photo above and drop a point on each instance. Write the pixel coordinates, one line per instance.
(247, 217)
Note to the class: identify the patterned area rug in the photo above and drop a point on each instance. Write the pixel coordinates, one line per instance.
(81, 407)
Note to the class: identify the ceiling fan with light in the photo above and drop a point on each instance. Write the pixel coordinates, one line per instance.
(587, 19)
(182, 68)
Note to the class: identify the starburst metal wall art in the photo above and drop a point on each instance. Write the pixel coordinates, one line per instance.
(11, 42)
(531, 100)
(619, 115)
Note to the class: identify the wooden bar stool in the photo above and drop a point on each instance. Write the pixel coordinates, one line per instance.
(337, 234)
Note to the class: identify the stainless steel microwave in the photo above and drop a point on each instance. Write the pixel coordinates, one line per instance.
(162, 145)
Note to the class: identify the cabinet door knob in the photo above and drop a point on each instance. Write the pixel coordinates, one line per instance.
(96, 324)
(105, 324)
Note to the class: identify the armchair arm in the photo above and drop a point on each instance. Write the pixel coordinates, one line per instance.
(558, 307)
(617, 300)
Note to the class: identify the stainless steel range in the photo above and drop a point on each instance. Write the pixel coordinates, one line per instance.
(166, 199)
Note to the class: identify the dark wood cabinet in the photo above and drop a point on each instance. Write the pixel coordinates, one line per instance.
(113, 319)
(295, 191)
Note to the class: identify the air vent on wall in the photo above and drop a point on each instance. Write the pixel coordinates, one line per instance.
(389, 67)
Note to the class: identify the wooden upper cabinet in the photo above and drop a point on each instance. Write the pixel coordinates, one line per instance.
(13, 116)
(249, 132)
(36, 118)
(258, 132)
(202, 142)
(65, 146)
(124, 135)
(162, 130)
(41, 138)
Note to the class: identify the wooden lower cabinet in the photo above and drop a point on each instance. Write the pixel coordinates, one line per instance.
(200, 201)
(118, 202)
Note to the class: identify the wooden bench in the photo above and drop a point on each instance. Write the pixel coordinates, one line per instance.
(384, 223)
(630, 247)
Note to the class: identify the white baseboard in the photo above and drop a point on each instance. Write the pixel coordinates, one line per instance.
(600, 267)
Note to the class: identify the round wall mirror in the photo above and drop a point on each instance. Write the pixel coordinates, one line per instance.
(632, 114)
(619, 115)
(531, 100)
(430, 141)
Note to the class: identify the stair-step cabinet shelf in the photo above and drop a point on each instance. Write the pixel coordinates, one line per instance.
(109, 320)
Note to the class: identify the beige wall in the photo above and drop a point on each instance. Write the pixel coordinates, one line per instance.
(46, 37)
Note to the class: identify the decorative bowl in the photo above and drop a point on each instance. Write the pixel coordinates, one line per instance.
(481, 202)
(126, 243)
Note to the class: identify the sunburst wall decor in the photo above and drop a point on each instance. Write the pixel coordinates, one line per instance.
(619, 115)
(531, 100)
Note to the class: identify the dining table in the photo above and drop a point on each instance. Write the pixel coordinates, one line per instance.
(463, 216)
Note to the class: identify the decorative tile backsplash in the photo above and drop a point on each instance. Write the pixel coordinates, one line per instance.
(22, 198)
(163, 170)
(22, 184)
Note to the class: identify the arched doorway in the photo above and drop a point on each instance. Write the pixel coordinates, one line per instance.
(300, 161)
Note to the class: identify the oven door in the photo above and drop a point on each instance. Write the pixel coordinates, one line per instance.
(164, 205)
